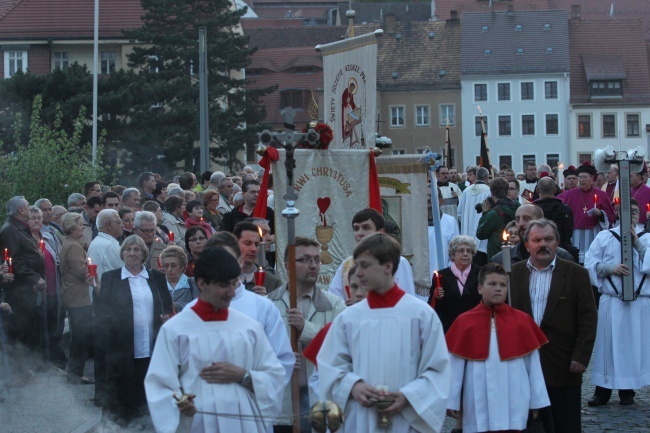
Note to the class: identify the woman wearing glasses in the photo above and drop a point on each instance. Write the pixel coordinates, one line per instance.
(195, 240)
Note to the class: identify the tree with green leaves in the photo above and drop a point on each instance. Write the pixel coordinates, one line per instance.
(164, 114)
(48, 161)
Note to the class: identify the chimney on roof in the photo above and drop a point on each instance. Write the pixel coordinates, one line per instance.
(390, 22)
(454, 14)
(575, 12)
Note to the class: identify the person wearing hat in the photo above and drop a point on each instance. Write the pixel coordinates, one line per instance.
(592, 209)
(639, 191)
(570, 178)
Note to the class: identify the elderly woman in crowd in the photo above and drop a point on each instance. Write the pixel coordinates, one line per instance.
(195, 240)
(127, 215)
(173, 220)
(52, 293)
(210, 213)
(76, 297)
(183, 290)
(145, 227)
(459, 292)
(161, 231)
(130, 308)
(195, 213)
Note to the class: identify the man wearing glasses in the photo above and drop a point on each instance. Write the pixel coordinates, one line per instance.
(145, 227)
(315, 309)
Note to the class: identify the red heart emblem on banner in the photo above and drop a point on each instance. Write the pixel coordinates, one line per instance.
(323, 204)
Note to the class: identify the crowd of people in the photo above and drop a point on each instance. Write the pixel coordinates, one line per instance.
(160, 287)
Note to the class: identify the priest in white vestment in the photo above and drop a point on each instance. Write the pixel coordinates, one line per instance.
(622, 351)
(219, 357)
(472, 196)
(388, 344)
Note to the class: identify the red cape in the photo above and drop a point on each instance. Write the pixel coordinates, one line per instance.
(207, 313)
(517, 333)
(312, 349)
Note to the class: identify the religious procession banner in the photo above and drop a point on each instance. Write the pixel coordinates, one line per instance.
(332, 185)
(350, 76)
(403, 186)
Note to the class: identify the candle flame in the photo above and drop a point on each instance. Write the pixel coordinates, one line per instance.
(505, 236)
(90, 261)
(259, 230)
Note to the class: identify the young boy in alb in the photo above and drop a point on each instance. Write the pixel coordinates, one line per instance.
(494, 351)
(386, 346)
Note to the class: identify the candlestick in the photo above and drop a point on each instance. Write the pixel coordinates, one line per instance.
(595, 200)
(261, 250)
(171, 236)
(260, 275)
(11, 266)
(92, 269)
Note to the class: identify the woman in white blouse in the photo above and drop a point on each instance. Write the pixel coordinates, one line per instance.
(131, 307)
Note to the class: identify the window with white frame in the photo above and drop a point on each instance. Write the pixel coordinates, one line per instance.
(632, 125)
(505, 126)
(447, 112)
(478, 127)
(550, 90)
(61, 60)
(397, 116)
(527, 91)
(552, 125)
(422, 117)
(107, 59)
(15, 61)
(503, 91)
(480, 92)
(528, 124)
(584, 126)
(399, 152)
(609, 125)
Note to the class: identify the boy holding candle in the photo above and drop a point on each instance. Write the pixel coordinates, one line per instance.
(416, 375)
(495, 347)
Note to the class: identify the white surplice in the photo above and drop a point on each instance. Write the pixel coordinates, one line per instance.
(497, 395)
(402, 348)
(185, 345)
(446, 191)
(266, 314)
(467, 214)
(622, 351)
(403, 278)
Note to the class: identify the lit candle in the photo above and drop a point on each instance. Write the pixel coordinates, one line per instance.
(92, 269)
(438, 280)
(11, 267)
(41, 245)
(6, 254)
(505, 254)
(261, 250)
(617, 201)
(595, 200)
(171, 236)
(647, 206)
(260, 275)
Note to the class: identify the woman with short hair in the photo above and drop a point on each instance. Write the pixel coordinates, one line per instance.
(183, 289)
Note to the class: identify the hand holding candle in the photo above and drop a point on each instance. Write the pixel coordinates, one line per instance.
(92, 269)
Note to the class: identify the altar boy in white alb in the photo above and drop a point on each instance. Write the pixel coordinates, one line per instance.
(219, 357)
(496, 372)
(388, 345)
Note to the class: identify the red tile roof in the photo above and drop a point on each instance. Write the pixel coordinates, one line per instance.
(620, 42)
(36, 19)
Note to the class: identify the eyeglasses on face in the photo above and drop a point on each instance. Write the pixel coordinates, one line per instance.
(199, 239)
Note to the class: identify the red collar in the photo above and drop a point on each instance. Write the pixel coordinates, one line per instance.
(207, 313)
(517, 333)
(387, 300)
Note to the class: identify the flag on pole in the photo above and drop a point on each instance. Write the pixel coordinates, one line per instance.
(450, 160)
(485, 150)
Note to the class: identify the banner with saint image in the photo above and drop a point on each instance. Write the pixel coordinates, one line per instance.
(350, 92)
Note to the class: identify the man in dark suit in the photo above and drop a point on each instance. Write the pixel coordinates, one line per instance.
(557, 294)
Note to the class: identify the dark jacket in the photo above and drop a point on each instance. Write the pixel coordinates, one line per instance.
(27, 259)
(569, 320)
(493, 222)
(453, 304)
(231, 219)
(562, 216)
(519, 253)
(114, 352)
